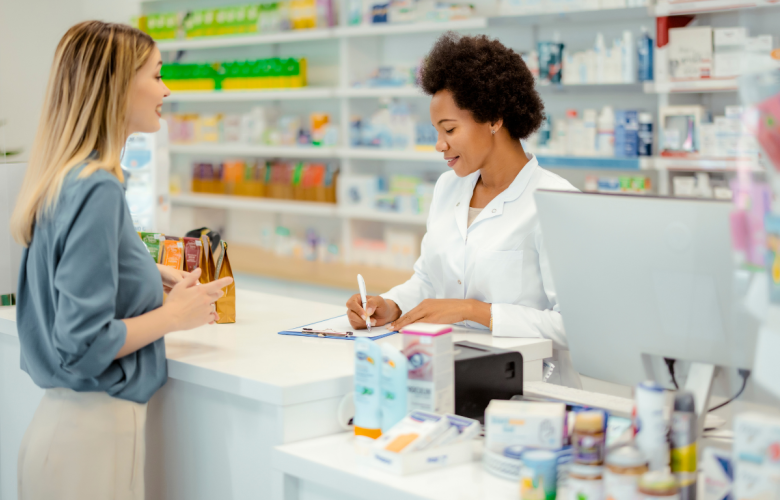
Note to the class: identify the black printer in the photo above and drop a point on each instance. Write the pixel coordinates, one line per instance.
(483, 373)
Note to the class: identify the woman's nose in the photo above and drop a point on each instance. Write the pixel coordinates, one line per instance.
(441, 145)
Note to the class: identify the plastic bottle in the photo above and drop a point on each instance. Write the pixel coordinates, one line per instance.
(645, 147)
(645, 56)
(683, 436)
(368, 413)
(589, 119)
(393, 384)
(585, 482)
(601, 58)
(659, 485)
(588, 438)
(628, 69)
(625, 466)
(651, 425)
(605, 135)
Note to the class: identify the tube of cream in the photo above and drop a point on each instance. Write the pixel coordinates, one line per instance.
(368, 413)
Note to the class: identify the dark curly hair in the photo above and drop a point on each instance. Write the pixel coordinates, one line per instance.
(486, 78)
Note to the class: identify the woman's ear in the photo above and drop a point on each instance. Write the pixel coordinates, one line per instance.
(496, 126)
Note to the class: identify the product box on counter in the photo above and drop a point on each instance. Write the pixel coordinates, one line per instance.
(424, 460)
(756, 454)
(532, 425)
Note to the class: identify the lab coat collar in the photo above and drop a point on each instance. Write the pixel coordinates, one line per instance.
(496, 205)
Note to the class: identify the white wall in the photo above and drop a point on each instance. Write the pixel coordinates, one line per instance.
(29, 33)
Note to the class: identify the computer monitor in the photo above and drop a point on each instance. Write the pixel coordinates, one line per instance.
(641, 276)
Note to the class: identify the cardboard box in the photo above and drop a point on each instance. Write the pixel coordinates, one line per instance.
(690, 53)
(717, 473)
(423, 460)
(535, 425)
(729, 37)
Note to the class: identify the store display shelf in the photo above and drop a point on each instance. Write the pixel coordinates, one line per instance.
(591, 162)
(252, 95)
(229, 149)
(402, 29)
(243, 40)
(375, 215)
(703, 6)
(704, 164)
(692, 86)
(592, 88)
(382, 92)
(255, 260)
(574, 16)
(230, 202)
(391, 154)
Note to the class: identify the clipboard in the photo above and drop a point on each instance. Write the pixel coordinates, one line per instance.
(339, 325)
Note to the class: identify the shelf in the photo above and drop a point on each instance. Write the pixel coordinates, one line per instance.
(375, 215)
(592, 88)
(594, 163)
(391, 154)
(382, 29)
(254, 260)
(692, 86)
(703, 164)
(230, 202)
(574, 16)
(243, 40)
(382, 92)
(251, 95)
(703, 7)
(252, 150)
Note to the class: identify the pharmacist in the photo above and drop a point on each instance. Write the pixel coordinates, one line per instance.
(483, 262)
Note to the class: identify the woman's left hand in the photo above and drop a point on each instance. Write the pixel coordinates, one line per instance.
(170, 276)
(441, 311)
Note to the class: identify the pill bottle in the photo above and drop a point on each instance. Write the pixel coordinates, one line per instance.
(624, 467)
(588, 437)
(658, 485)
(585, 482)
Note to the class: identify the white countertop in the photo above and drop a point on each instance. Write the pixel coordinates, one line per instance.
(248, 358)
(331, 461)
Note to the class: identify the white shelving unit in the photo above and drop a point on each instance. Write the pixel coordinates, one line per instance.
(346, 39)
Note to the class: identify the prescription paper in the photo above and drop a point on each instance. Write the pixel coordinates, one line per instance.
(340, 324)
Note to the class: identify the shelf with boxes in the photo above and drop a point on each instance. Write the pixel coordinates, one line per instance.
(254, 204)
(686, 7)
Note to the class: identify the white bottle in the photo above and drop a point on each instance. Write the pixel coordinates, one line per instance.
(589, 119)
(606, 132)
(601, 54)
(629, 73)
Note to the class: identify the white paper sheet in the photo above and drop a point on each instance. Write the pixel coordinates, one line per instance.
(341, 324)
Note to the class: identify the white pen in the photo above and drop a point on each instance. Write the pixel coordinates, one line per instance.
(362, 286)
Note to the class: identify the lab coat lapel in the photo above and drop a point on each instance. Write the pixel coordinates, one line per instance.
(513, 192)
(461, 208)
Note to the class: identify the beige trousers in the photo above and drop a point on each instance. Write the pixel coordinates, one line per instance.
(83, 446)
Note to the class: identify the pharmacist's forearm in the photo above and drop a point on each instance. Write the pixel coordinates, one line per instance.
(145, 329)
(478, 312)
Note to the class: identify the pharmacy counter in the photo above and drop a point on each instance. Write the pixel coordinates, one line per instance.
(234, 393)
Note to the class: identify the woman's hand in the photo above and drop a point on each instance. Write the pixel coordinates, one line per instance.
(380, 311)
(445, 311)
(170, 276)
(190, 305)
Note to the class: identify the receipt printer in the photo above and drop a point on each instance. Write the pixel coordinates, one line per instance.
(483, 373)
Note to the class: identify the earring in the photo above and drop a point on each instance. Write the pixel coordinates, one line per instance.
(493, 132)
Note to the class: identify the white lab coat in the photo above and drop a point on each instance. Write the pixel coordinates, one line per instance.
(500, 259)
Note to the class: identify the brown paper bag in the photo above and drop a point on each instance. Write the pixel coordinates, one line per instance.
(226, 305)
(206, 261)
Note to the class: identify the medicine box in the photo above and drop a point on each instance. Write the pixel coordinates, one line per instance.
(729, 37)
(534, 425)
(424, 460)
(431, 376)
(690, 53)
(717, 473)
(757, 439)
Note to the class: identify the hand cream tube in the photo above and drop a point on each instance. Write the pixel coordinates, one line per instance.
(393, 383)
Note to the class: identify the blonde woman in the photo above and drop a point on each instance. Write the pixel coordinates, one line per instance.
(90, 311)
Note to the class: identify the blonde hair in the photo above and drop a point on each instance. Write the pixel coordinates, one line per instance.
(85, 110)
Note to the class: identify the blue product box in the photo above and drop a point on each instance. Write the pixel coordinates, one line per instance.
(626, 134)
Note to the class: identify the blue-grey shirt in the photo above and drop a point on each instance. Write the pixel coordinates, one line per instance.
(85, 270)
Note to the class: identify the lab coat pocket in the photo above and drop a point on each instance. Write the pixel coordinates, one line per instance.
(498, 276)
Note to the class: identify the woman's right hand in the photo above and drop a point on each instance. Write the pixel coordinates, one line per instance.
(190, 305)
(380, 311)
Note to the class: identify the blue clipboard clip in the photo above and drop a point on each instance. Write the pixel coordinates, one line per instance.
(327, 332)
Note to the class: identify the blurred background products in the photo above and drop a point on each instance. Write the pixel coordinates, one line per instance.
(274, 73)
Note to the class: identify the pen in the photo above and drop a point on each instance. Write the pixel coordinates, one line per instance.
(362, 286)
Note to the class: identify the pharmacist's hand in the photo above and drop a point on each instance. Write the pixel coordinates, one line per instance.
(440, 311)
(380, 311)
(170, 276)
(189, 306)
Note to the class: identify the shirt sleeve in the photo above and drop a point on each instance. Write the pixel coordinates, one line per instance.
(86, 336)
(418, 288)
(511, 320)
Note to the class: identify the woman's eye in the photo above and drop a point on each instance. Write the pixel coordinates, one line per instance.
(158, 77)
(449, 131)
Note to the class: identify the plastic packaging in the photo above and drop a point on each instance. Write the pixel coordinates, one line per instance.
(585, 482)
(415, 432)
(683, 435)
(368, 413)
(645, 56)
(651, 425)
(625, 466)
(589, 437)
(393, 386)
(645, 135)
(538, 475)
